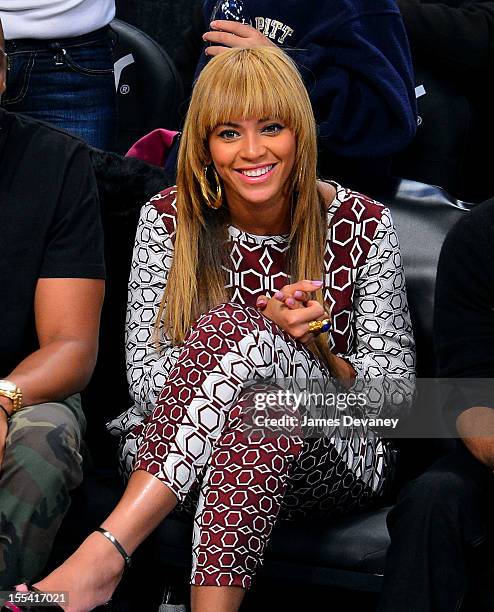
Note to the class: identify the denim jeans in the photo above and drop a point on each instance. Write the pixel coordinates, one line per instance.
(68, 83)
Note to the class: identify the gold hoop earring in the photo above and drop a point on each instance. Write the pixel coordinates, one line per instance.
(213, 200)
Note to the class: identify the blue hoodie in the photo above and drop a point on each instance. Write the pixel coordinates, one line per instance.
(355, 61)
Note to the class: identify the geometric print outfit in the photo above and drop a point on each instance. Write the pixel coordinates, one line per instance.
(187, 424)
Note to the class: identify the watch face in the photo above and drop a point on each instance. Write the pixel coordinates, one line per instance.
(6, 385)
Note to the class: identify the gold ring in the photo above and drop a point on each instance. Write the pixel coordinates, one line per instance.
(317, 327)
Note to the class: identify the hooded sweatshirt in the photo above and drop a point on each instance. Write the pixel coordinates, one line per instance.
(355, 61)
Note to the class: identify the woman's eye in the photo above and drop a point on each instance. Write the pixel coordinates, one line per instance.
(228, 134)
(273, 128)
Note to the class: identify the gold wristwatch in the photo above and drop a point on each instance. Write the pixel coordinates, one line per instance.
(11, 390)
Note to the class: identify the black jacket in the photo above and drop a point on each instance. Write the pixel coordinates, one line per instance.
(454, 37)
(452, 46)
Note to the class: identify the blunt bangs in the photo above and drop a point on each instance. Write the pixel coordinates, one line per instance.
(250, 84)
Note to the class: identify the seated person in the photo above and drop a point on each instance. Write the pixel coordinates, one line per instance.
(354, 60)
(51, 275)
(233, 271)
(442, 528)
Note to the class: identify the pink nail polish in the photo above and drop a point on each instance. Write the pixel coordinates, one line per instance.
(279, 295)
(290, 301)
(317, 283)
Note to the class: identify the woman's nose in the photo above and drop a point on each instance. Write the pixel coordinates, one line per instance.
(253, 146)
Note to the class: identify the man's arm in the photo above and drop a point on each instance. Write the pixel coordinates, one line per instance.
(67, 313)
(464, 327)
(476, 428)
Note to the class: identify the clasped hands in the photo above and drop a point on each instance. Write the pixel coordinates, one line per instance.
(292, 309)
(229, 34)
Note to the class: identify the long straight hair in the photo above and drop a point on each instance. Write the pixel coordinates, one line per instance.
(240, 84)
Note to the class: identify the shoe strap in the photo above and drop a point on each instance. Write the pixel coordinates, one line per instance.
(109, 536)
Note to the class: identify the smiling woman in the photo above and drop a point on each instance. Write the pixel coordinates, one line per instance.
(254, 160)
(234, 271)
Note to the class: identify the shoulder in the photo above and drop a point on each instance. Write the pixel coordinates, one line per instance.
(165, 202)
(350, 206)
(357, 224)
(472, 233)
(480, 218)
(161, 210)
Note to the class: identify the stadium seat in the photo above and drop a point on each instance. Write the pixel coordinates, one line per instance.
(149, 88)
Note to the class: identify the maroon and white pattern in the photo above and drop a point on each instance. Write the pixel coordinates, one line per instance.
(184, 425)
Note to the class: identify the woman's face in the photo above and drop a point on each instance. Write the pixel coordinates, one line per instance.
(254, 159)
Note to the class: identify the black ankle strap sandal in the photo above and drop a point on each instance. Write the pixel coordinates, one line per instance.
(32, 592)
(109, 536)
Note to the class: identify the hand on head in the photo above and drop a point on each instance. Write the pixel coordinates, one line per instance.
(228, 34)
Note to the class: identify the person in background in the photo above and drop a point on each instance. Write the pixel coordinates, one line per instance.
(355, 63)
(60, 67)
(442, 528)
(452, 45)
(51, 274)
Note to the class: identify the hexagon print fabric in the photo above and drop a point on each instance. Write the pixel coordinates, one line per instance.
(185, 427)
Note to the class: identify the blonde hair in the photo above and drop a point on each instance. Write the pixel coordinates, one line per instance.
(259, 83)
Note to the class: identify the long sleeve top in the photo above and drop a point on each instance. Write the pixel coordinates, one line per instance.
(363, 279)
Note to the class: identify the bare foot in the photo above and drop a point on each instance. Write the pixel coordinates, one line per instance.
(89, 576)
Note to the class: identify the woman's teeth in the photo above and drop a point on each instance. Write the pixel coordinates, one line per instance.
(257, 171)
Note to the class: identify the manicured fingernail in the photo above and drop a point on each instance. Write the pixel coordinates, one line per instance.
(279, 295)
(298, 294)
(290, 302)
(260, 302)
(317, 283)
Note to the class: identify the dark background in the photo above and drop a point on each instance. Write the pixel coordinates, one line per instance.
(163, 20)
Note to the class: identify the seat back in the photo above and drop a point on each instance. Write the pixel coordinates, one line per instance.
(423, 215)
(149, 88)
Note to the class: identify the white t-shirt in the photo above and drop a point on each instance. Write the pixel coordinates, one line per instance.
(45, 19)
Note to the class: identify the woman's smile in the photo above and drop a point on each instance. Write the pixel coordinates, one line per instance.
(256, 174)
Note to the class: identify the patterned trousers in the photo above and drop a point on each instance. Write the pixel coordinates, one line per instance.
(196, 433)
(42, 464)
